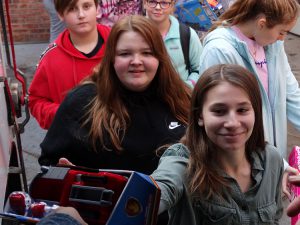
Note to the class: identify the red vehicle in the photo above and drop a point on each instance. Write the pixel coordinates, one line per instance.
(13, 100)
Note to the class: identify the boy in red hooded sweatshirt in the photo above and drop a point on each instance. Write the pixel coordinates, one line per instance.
(69, 59)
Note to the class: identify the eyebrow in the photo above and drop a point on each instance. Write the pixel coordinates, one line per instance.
(223, 104)
(126, 49)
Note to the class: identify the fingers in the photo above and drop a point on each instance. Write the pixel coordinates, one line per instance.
(292, 171)
(294, 179)
(294, 207)
(285, 185)
(65, 162)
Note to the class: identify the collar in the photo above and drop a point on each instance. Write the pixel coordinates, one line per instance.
(174, 29)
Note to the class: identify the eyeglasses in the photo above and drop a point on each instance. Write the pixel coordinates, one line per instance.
(163, 4)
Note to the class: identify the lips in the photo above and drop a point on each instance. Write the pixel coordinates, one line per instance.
(136, 71)
(231, 134)
(82, 23)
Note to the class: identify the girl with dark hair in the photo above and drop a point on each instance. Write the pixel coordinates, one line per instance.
(223, 172)
(251, 33)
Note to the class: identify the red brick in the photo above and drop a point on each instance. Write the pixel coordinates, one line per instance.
(30, 21)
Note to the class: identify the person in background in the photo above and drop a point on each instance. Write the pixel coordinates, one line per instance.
(223, 172)
(56, 25)
(133, 104)
(69, 59)
(250, 33)
(160, 12)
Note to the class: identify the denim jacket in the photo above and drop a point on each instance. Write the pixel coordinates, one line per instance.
(58, 219)
(260, 205)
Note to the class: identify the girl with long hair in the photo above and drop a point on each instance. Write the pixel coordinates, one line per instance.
(223, 172)
(251, 33)
(132, 104)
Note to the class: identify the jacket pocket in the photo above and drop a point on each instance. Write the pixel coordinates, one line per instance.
(214, 214)
(267, 213)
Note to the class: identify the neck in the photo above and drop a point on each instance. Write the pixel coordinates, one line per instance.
(164, 27)
(238, 167)
(85, 43)
(248, 29)
(232, 162)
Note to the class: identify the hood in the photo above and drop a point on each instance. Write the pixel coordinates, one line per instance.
(64, 43)
(226, 34)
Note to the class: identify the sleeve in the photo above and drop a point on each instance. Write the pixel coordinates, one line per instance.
(220, 52)
(292, 94)
(65, 134)
(40, 104)
(58, 219)
(279, 204)
(170, 175)
(194, 55)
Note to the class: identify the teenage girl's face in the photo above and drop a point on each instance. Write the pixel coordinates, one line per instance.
(158, 14)
(81, 19)
(135, 64)
(265, 36)
(228, 117)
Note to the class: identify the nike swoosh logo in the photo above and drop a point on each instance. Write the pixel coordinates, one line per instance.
(173, 125)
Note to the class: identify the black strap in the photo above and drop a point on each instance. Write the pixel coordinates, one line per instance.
(185, 34)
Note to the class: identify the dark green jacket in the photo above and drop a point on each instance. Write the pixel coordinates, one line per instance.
(260, 205)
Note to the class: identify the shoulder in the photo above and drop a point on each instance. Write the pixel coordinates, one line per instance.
(272, 153)
(83, 91)
(220, 37)
(177, 150)
(194, 38)
(80, 96)
(174, 21)
(103, 30)
(51, 47)
(270, 157)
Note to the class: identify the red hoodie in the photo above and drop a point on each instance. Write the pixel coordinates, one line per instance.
(60, 69)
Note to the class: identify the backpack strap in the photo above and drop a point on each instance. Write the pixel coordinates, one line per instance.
(185, 34)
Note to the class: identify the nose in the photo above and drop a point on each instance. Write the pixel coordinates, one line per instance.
(136, 59)
(158, 5)
(81, 13)
(232, 121)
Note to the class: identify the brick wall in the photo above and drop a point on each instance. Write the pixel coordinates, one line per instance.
(30, 21)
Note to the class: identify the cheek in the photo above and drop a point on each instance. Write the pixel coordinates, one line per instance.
(252, 122)
(153, 64)
(120, 66)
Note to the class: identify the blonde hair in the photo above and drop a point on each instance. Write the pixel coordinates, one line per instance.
(275, 11)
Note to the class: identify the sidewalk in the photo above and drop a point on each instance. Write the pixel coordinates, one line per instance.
(27, 57)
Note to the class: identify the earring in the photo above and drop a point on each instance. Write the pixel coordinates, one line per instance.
(200, 122)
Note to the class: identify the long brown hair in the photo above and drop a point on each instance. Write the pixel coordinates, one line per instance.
(108, 112)
(275, 11)
(203, 175)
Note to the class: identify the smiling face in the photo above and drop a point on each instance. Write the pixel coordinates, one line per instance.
(81, 19)
(227, 116)
(134, 63)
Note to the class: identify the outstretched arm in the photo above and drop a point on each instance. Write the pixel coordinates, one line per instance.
(170, 175)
